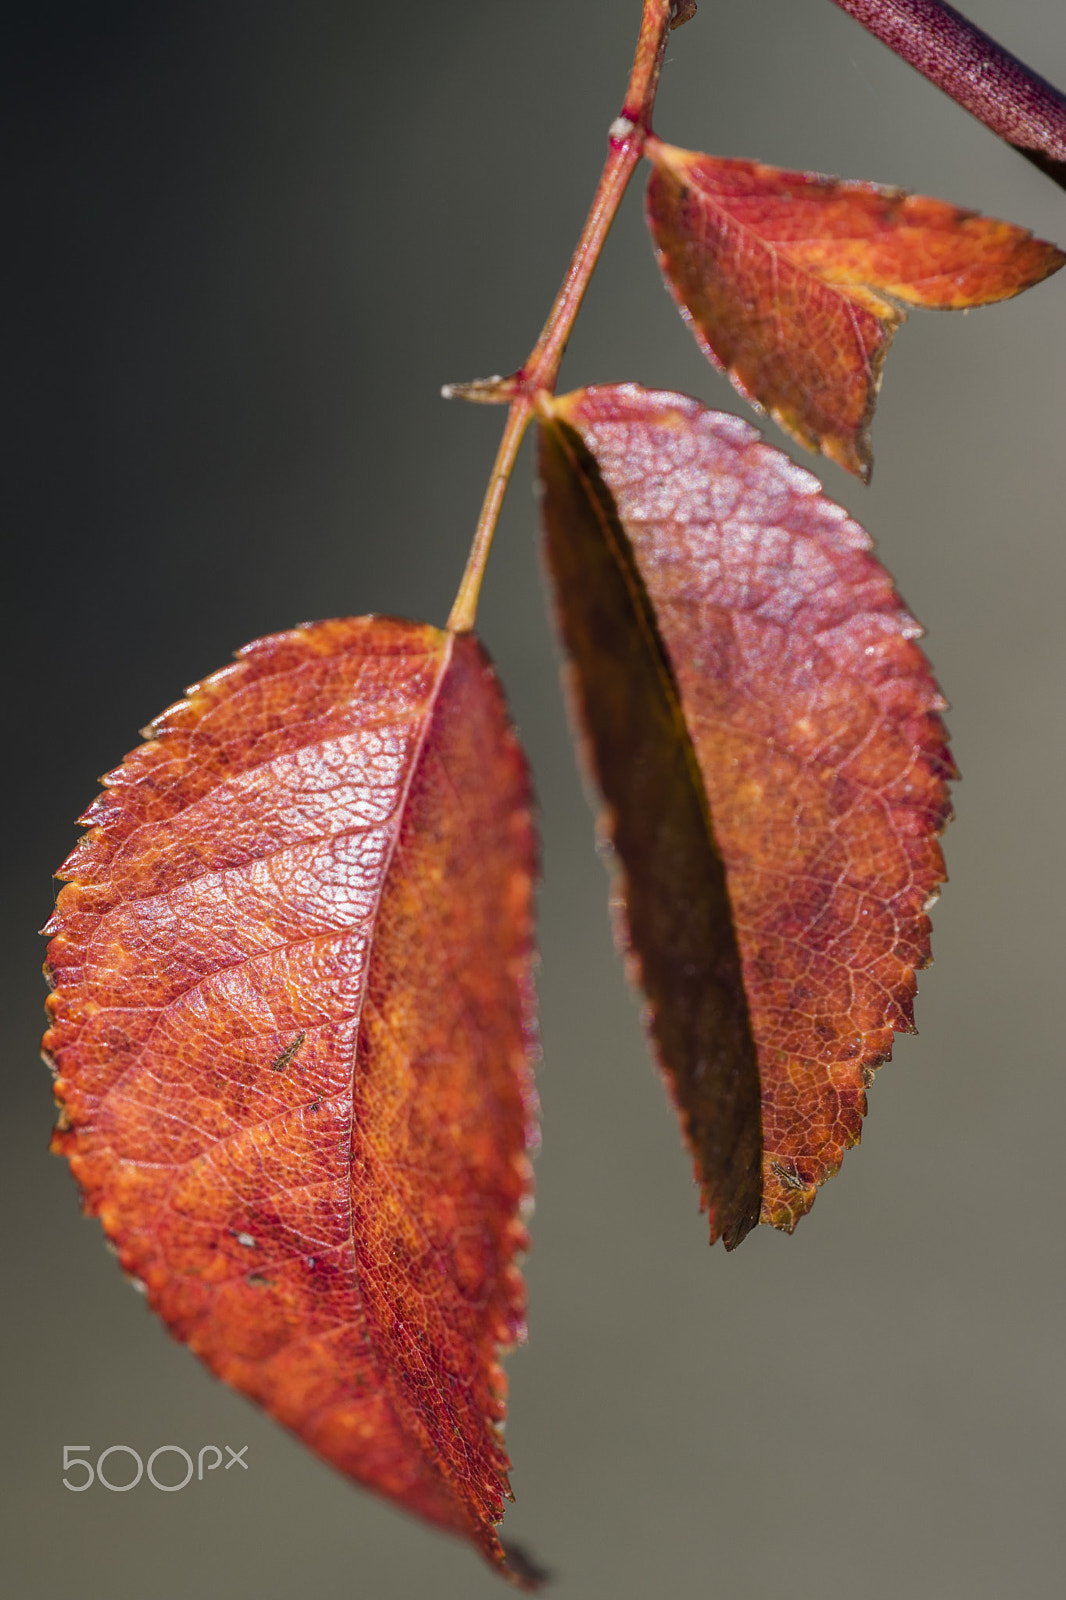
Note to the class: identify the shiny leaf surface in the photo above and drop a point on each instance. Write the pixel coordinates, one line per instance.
(290, 1026)
(794, 284)
(713, 602)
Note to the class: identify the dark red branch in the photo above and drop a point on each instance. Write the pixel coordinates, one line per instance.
(994, 86)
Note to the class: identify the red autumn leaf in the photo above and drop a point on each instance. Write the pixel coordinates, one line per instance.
(791, 282)
(764, 730)
(290, 1027)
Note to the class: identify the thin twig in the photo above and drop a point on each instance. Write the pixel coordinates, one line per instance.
(990, 83)
(540, 372)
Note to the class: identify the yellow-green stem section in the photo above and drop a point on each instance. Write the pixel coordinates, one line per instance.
(464, 611)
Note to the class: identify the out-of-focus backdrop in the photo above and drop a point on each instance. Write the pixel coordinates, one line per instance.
(248, 244)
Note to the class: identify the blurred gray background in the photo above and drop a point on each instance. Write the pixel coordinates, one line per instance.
(251, 241)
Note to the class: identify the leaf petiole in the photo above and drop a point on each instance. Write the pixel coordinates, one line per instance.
(464, 610)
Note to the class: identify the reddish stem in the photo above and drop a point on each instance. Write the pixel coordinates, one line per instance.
(994, 86)
(540, 371)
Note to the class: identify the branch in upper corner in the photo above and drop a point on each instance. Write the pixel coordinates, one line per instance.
(990, 83)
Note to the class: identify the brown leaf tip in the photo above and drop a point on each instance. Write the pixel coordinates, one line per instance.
(523, 1569)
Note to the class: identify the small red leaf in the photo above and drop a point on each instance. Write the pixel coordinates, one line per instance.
(789, 281)
(290, 1030)
(705, 587)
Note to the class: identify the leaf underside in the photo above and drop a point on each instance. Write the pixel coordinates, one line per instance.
(794, 284)
(291, 1030)
(706, 588)
(681, 945)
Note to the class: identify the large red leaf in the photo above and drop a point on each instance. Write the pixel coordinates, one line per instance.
(290, 1026)
(764, 729)
(791, 281)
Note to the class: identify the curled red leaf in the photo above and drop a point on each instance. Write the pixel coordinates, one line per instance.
(290, 1026)
(700, 572)
(794, 284)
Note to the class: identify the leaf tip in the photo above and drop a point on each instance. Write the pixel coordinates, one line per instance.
(738, 1230)
(522, 1570)
(681, 11)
